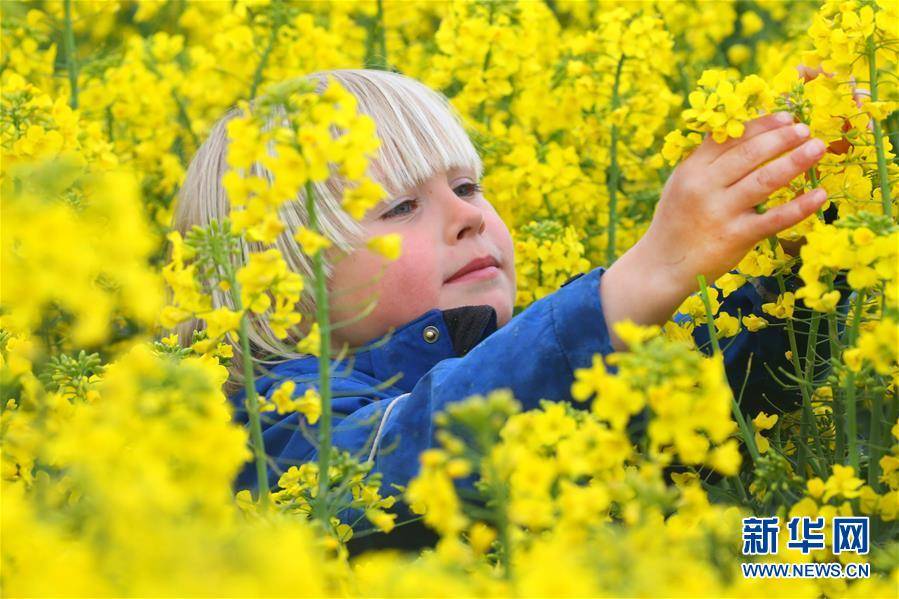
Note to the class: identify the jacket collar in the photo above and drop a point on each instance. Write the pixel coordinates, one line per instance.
(416, 347)
(403, 355)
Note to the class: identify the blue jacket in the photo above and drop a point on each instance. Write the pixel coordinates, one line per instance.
(447, 355)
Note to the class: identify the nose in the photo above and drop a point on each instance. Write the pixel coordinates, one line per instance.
(463, 217)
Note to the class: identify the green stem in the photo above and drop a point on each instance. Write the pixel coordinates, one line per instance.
(851, 414)
(810, 373)
(878, 417)
(263, 62)
(380, 61)
(183, 117)
(838, 411)
(745, 429)
(710, 316)
(738, 485)
(252, 405)
(614, 172)
(71, 59)
(885, 197)
(320, 508)
(502, 524)
(876, 443)
(807, 424)
(481, 113)
(813, 179)
(251, 401)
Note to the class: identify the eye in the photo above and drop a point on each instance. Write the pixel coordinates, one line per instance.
(468, 189)
(398, 211)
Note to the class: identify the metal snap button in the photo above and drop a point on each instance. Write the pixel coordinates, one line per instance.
(431, 333)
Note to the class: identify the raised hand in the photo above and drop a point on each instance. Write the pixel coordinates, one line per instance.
(706, 222)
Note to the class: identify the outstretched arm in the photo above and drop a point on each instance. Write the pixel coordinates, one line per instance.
(705, 221)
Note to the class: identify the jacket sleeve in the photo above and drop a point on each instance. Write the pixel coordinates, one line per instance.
(768, 347)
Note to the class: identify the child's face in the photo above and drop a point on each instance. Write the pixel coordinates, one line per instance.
(445, 223)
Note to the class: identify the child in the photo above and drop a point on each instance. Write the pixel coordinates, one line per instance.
(444, 315)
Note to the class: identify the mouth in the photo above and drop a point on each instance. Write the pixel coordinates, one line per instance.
(479, 269)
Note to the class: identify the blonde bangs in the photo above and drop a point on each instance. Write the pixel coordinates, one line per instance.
(420, 131)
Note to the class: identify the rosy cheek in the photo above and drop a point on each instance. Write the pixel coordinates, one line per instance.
(410, 285)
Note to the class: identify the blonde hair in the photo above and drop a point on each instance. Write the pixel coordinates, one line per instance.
(420, 133)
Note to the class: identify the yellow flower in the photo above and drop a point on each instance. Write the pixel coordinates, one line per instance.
(245, 142)
(815, 487)
(283, 317)
(889, 471)
(751, 23)
(311, 343)
(727, 325)
(738, 54)
(257, 277)
(868, 501)
(782, 308)
(481, 537)
(282, 398)
(726, 458)
(633, 334)
(381, 519)
(853, 359)
(310, 405)
(764, 422)
(390, 246)
(842, 483)
(677, 145)
(754, 323)
(360, 199)
(728, 283)
(862, 277)
(224, 350)
(310, 241)
(221, 321)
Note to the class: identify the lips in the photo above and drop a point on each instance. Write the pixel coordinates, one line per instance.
(474, 265)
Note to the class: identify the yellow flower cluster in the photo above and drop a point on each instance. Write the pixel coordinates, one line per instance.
(687, 394)
(877, 346)
(299, 486)
(556, 479)
(834, 496)
(546, 255)
(149, 500)
(841, 29)
(89, 217)
(309, 405)
(865, 246)
(106, 490)
(721, 106)
(301, 152)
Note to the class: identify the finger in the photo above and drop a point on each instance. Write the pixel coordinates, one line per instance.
(745, 157)
(709, 150)
(786, 215)
(757, 185)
